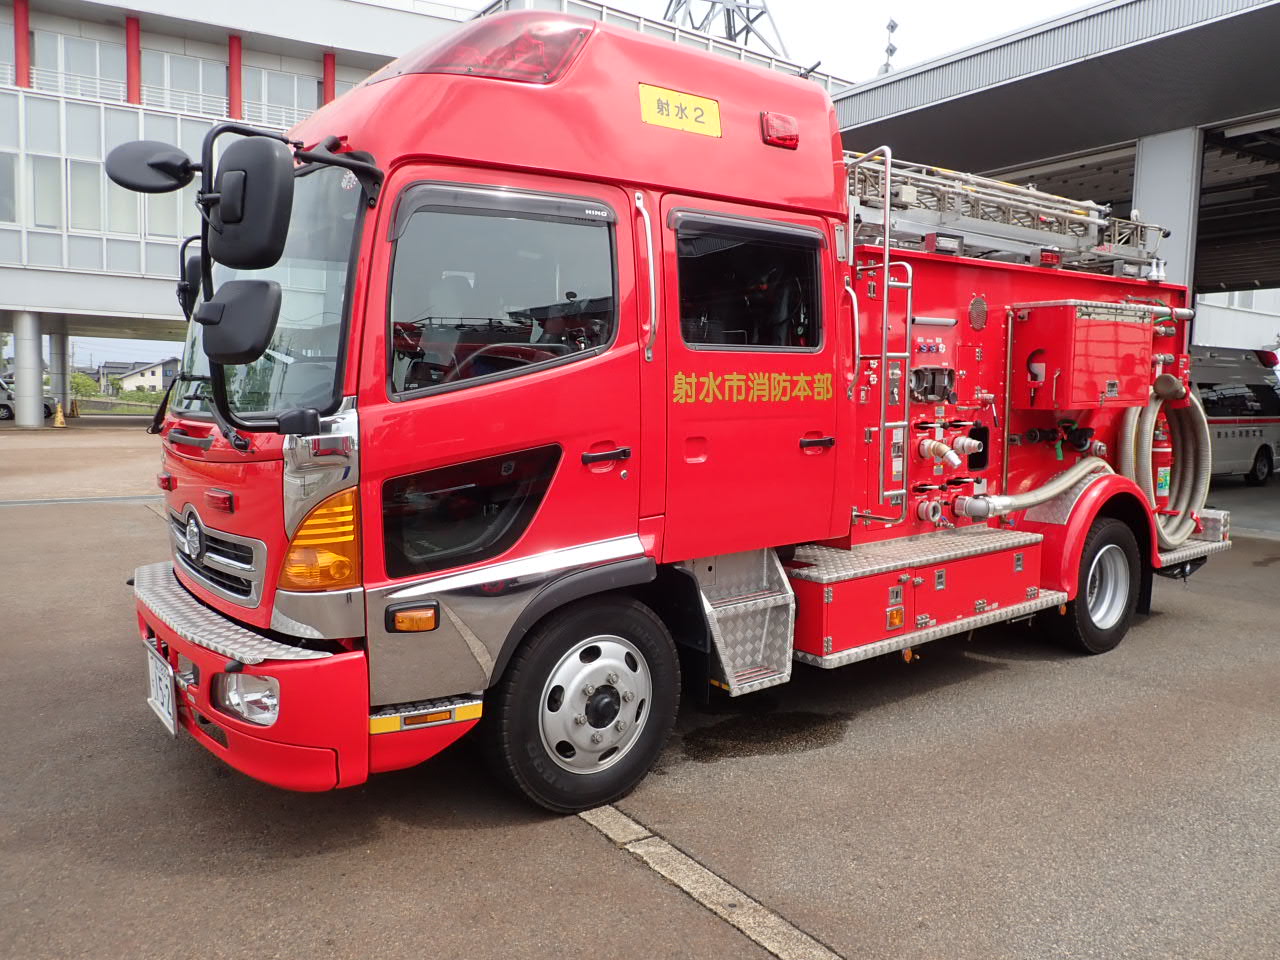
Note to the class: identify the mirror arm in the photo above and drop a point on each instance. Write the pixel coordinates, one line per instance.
(369, 174)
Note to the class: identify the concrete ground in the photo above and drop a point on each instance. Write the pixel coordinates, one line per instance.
(994, 799)
(94, 456)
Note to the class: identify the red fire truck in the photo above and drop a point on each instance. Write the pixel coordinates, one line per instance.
(556, 364)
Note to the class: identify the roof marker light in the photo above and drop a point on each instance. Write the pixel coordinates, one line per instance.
(779, 130)
(529, 46)
(1268, 358)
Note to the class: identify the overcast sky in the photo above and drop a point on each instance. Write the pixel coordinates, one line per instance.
(848, 36)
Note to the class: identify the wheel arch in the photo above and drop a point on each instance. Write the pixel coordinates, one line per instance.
(1110, 496)
(671, 592)
(622, 575)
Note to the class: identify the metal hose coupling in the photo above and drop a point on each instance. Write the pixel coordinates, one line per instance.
(936, 448)
(966, 445)
(982, 508)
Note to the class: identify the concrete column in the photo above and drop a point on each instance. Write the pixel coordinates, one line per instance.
(59, 375)
(1166, 190)
(27, 385)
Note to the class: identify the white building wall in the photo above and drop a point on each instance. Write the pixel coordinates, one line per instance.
(1249, 319)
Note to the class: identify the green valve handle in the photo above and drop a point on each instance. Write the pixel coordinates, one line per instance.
(1057, 449)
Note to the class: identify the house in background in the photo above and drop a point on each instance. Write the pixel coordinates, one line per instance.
(150, 377)
(112, 368)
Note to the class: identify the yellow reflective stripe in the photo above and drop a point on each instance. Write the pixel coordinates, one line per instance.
(468, 712)
(384, 724)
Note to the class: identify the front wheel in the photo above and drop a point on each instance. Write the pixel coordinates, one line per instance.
(1106, 591)
(1260, 472)
(585, 705)
(6, 412)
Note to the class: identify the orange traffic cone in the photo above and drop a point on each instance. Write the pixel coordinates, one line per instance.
(58, 420)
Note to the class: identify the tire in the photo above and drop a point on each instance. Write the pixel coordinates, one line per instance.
(1106, 591)
(578, 674)
(6, 412)
(48, 411)
(1261, 470)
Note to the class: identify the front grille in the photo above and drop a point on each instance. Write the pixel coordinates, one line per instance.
(228, 566)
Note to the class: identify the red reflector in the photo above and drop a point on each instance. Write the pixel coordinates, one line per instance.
(1050, 258)
(166, 481)
(1267, 358)
(530, 46)
(220, 500)
(779, 130)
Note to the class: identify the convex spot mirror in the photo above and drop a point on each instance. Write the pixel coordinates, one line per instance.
(149, 166)
(239, 321)
(249, 221)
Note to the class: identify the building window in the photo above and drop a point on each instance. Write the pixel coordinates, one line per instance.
(77, 66)
(8, 188)
(747, 285)
(279, 99)
(189, 84)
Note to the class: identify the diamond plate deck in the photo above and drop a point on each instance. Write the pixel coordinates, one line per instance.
(1047, 598)
(830, 565)
(157, 587)
(1192, 549)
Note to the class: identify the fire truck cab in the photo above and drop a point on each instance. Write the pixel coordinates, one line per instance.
(556, 364)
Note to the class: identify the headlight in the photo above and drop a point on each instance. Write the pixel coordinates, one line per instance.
(256, 699)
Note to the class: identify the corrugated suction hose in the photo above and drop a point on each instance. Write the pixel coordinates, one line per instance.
(1192, 461)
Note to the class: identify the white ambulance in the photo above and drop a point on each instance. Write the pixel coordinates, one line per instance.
(1241, 396)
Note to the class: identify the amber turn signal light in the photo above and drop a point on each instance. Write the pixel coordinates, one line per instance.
(324, 553)
(413, 617)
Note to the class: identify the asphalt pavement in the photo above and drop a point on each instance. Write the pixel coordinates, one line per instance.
(994, 799)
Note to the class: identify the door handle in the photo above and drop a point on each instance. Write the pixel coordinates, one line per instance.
(618, 453)
(178, 435)
(806, 442)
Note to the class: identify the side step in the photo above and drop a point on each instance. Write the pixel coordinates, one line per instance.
(1046, 599)
(750, 609)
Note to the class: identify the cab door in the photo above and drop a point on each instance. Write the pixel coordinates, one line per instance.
(499, 404)
(751, 407)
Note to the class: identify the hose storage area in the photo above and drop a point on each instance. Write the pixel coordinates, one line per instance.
(996, 505)
(1192, 458)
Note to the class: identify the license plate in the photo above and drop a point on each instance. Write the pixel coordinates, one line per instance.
(162, 697)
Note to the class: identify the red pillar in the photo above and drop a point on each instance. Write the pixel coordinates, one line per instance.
(330, 76)
(21, 43)
(235, 77)
(133, 59)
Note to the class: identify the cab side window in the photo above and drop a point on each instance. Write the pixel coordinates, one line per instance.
(746, 285)
(487, 284)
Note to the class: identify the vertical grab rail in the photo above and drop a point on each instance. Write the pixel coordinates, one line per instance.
(889, 285)
(653, 283)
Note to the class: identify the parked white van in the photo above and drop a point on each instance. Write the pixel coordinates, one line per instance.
(1241, 397)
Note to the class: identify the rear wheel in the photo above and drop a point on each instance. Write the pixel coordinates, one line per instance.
(1106, 591)
(6, 412)
(1261, 470)
(585, 705)
(48, 411)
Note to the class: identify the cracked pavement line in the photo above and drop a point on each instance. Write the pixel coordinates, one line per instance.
(753, 919)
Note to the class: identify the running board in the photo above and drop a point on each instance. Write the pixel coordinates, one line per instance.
(1191, 550)
(1046, 599)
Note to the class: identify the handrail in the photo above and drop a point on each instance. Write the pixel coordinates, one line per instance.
(857, 333)
(653, 282)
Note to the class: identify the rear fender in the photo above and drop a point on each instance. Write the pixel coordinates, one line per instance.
(1111, 495)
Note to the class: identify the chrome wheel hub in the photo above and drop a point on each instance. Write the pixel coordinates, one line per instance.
(595, 703)
(1107, 589)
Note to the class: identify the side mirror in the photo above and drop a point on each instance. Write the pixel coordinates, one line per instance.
(250, 220)
(239, 321)
(149, 166)
(189, 285)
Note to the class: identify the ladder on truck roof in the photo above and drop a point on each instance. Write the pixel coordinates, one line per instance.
(946, 211)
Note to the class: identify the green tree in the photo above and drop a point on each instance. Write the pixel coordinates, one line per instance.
(115, 384)
(83, 385)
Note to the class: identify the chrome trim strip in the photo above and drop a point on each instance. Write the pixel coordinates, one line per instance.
(324, 615)
(310, 474)
(621, 548)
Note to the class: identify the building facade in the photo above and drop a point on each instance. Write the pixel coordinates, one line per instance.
(80, 256)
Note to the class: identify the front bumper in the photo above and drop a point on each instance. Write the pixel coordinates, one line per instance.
(325, 735)
(320, 739)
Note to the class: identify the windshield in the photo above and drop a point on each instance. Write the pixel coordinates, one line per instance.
(301, 365)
